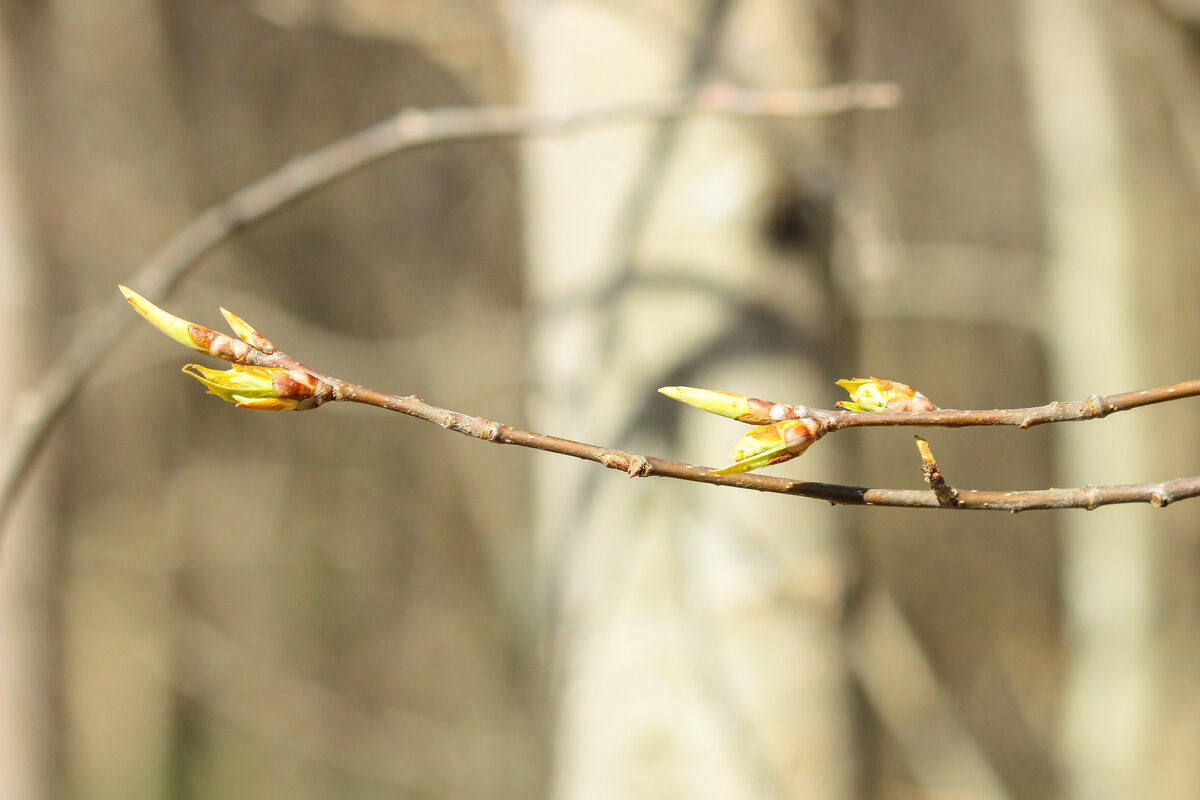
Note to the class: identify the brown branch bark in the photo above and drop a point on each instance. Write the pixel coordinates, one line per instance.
(37, 408)
(1094, 407)
(1158, 494)
(1089, 497)
(289, 384)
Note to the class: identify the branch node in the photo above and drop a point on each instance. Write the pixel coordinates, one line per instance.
(484, 429)
(780, 412)
(1160, 497)
(633, 465)
(1095, 408)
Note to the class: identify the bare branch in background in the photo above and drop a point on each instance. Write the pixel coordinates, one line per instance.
(903, 688)
(39, 407)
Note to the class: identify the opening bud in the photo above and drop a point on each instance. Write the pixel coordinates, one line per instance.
(188, 334)
(726, 404)
(773, 444)
(262, 388)
(877, 394)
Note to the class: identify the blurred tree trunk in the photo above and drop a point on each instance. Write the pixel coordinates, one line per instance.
(356, 632)
(31, 557)
(942, 270)
(1080, 130)
(100, 145)
(1114, 91)
(694, 633)
(1023, 228)
(1160, 101)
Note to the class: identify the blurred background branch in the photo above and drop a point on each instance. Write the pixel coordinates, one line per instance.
(37, 407)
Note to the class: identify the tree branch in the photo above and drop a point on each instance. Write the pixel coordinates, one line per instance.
(1094, 407)
(1088, 497)
(265, 378)
(37, 408)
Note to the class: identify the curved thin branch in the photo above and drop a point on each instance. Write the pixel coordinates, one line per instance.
(40, 406)
(1157, 494)
(1094, 407)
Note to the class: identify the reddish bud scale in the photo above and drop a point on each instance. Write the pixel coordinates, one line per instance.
(245, 331)
(764, 412)
(218, 345)
(295, 384)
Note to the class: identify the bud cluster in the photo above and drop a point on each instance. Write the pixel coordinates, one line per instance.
(787, 431)
(280, 384)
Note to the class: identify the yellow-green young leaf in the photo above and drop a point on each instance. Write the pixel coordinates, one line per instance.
(772, 444)
(189, 334)
(877, 394)
(262, 388)
(178, 329)
(726, 404)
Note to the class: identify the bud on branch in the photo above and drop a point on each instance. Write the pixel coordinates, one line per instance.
(787, 431)
(261, 377)
(264, 378)
(263, 388)
(877, 394)
(773, 444)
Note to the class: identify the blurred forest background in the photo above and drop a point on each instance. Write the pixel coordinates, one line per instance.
(198, 602)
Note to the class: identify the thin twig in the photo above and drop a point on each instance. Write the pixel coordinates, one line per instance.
(946, 494)
(1088, 497)
(39, 407)
(1094, 407)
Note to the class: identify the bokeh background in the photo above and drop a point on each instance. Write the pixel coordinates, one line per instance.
(199, 602)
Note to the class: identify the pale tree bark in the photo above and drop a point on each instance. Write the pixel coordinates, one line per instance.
(1093, 328)
(1160, 94)
(693, 634)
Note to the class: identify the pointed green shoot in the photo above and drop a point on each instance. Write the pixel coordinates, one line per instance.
(246, 332)
(775, 455)
(725, 404)
(178, 329)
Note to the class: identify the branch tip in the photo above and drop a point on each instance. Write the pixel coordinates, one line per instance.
(246, 332)
(180, 330)
(946, 495)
